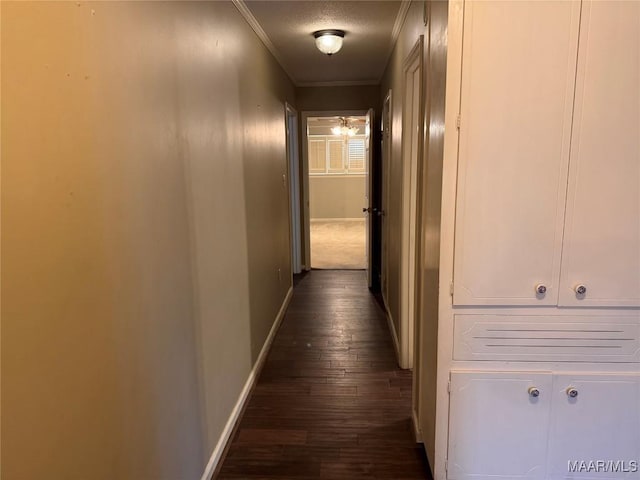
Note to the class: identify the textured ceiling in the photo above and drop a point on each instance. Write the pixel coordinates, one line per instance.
(289, 26)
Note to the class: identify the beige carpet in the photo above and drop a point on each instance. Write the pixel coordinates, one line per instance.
(338, 244)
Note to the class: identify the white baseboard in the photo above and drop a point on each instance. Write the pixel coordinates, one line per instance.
(244, 394)
(417, 433)
(392, 329)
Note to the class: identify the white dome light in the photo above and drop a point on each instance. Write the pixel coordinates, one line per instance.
(329, 41)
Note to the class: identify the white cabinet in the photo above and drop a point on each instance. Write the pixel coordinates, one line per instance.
(528, 152)
(499, 429)
(602, 423)
(516, 100)
(602, 233)
(496, 428)
(547, 194)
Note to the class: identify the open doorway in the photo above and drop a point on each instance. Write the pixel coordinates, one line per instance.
(337, 167)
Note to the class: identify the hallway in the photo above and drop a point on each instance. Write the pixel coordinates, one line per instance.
(330, 402)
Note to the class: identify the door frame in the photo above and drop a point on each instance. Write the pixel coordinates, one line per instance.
(412, 153)
(371, 210)
(293, 172)
(387, 132)
(304, 134)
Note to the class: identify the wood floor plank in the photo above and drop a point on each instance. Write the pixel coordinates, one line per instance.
(331, 402)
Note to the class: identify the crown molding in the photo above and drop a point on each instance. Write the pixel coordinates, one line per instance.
(400, 18)
(262, 35)
(395, 33)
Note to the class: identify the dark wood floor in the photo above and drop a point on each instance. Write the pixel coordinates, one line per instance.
(331, 402)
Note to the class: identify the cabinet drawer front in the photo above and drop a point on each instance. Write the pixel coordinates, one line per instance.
(547, 338)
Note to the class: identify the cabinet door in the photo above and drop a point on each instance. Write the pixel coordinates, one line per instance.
(497, 430)
(602, 234)
(601, 424)
(518, 76)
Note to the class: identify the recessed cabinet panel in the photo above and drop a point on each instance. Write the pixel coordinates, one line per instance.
(595, 418)
(518, 76)
(548, 338)
(602, 235)
(498, 425)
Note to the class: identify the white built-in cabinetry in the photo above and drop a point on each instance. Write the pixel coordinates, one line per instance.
(544, 361)
(602, 220)
(549, 176)
(537, 425)
(518, 78)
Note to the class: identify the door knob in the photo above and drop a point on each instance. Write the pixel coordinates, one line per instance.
(572, 392)
(381, 213)
(580, 289)
(534, 392)
(541, 289)
(366, 210)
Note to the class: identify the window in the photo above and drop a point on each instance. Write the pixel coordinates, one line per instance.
(329, 155)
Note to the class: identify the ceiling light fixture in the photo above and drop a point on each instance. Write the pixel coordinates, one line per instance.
(329, 41)
(344, 128)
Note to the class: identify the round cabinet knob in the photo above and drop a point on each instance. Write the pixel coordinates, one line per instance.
(572, 392)
(580, 289)
(534, 392)
(541, 289)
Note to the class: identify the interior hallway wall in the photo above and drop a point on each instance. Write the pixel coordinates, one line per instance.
(435, 32)
(339, 196)
(351, 97)
(393, 79)
(145, 236)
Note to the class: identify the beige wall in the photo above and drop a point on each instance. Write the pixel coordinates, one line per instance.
(144, 221)
(425, 367)
(337, 196)
(394, 79)
(356, 97)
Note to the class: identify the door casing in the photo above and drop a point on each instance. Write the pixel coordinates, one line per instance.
(412, 150)
(293, 165)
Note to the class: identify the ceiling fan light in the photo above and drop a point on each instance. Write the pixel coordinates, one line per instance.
(329, 41)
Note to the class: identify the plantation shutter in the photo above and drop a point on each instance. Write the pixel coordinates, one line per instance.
(336, 154)
(317, 156)
(357, 156)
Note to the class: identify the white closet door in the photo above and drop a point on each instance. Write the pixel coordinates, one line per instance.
(498, 427)
(602, 234)
(600, 424)
(518, 74)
